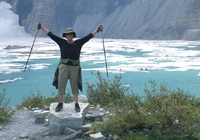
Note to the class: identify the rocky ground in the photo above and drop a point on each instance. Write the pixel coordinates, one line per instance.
(22, 126)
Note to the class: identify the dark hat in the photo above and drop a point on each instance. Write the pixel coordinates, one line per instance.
(68, 31)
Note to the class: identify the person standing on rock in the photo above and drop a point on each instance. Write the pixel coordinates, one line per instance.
(69, 66)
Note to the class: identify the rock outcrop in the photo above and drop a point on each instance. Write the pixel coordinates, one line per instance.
(133, 19)
(69, 123)
(66, 118)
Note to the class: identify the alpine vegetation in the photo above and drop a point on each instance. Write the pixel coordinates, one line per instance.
(161, 114)
(5, 114)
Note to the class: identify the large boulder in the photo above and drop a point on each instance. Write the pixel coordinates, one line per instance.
(67, 117)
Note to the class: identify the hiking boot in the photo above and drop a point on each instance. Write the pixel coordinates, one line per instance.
(59, 107)
(77, 108)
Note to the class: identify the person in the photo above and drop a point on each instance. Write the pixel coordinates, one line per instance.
(69, 65)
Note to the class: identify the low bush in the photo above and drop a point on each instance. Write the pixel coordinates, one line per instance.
(40, 101)
(172, 112)
(106, 92)
(5, 114)
(166, 114)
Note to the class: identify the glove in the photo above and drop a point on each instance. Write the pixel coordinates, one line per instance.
(39, 26)
(99, 28)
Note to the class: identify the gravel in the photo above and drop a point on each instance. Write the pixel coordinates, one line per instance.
(22, 126)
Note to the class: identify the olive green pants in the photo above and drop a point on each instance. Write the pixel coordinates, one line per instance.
(68, 72)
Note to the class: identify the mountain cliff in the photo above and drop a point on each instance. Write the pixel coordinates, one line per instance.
(130, 19)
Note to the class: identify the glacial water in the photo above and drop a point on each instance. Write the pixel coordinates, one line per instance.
(175, 63)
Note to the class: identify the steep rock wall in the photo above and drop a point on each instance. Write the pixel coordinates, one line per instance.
(135, 19)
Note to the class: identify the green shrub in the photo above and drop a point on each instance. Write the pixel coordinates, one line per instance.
(126, 118)
(172, 112)
(33, 100)
(105, 92)
(38, 100)
(5, 114)
(168, 115)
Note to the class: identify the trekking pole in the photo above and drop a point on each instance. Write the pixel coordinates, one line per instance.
(31, 50)
(104, 53)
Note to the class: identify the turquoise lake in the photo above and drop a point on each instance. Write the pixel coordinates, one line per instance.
(175, 63)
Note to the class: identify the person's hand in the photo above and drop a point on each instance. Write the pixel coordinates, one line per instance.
(39, 26)
(100, 28)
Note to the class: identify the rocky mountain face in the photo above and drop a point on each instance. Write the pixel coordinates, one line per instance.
(130, 19)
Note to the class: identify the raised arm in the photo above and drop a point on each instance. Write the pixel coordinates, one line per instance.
(43, 28)
(100, 28)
